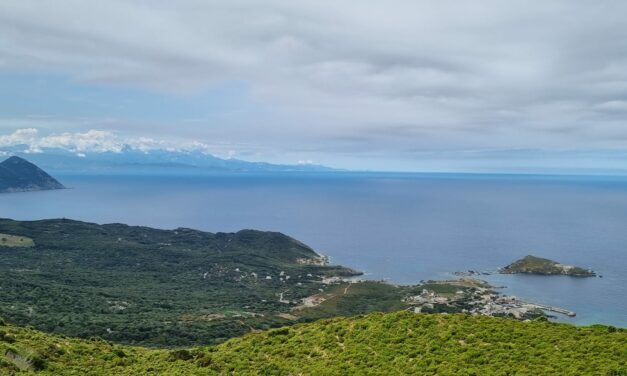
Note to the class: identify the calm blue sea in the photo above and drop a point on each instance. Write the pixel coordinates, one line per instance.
(399, 227)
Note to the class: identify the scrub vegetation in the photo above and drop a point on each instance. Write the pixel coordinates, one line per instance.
(139, 285)
(376, 344)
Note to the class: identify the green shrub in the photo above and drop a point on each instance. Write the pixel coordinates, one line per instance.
(181, 354)
(205, 361)
(7, 337)
(38, 362)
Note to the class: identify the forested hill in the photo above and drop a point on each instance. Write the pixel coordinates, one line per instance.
(149, 286)
(377, 344)
(106, 241)
(18, 175)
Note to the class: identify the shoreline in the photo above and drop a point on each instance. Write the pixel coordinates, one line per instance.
(488, 301)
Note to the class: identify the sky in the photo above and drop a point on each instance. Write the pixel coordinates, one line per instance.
(358, 84)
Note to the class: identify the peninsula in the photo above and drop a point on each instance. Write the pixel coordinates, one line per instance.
(131, 284)
(541, 266)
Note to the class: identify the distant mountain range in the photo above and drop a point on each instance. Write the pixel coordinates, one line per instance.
(133, 160)
(19, 175)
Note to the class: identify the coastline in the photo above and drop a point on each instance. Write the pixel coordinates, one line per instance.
(399, 255)
(529, 297)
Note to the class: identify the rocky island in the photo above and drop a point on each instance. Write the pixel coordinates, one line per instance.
(541, 266)
(19, 175)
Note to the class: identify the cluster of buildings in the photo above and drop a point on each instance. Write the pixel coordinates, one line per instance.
(480, 301)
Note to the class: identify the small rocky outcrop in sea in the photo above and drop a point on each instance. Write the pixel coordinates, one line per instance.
(541, 266)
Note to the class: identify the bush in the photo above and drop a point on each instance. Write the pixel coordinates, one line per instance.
(205, 361)
(38, 362)
(6, 337)
(180, 355)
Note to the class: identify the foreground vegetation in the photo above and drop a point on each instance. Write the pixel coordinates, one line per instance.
(377, 344)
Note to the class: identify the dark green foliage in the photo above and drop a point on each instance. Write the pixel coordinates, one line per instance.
(38, 363)
(5, 337)
(180, 355)
(140, 285)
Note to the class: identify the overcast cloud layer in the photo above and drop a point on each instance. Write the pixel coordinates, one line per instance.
(366, 84)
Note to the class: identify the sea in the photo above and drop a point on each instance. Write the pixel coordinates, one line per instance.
(397, 227)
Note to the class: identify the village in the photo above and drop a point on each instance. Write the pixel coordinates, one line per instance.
(476, 297)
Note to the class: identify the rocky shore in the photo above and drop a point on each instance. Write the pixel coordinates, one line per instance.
(473, 296)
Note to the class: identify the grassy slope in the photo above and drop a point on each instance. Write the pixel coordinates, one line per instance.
(376, 344)
(7, 240)
(358, 298)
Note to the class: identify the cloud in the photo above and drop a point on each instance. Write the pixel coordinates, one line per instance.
(615, 105)
(27, 136)
(354, 76)
(93, 141)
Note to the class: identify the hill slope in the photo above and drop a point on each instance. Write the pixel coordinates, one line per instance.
(377, 344)
(183, 287)
(19, 175)
(147, 286)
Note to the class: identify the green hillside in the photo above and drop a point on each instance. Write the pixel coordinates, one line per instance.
(183, 287)
(139, 285)
(377, 344)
